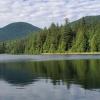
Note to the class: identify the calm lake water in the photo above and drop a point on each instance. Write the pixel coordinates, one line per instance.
(49, 78)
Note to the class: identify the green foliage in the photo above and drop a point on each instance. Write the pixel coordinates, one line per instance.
(81, 44)
(2, 47)
(84, 36)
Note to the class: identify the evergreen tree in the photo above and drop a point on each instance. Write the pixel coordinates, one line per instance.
(82, 43)
(2, 47)
(66, 38)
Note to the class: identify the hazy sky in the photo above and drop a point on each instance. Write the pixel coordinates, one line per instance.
(42, 12)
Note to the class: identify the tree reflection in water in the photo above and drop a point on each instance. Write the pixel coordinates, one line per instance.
(83, 72)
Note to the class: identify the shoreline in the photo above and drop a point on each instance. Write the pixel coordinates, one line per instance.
(75, 53)
(48, 57)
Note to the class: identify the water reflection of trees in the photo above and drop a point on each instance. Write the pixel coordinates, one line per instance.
(83, 72)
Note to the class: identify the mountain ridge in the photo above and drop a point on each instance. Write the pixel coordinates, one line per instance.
(88, 19)
(17, 30)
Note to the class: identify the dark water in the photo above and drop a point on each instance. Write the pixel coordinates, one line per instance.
(50, 80)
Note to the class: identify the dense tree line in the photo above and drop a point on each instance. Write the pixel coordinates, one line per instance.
(80, 37)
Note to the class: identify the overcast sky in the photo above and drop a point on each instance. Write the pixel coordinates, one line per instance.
(42, 12)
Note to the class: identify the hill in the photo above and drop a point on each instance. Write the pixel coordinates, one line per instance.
(80, 36)
(17, 30)
(90, 20)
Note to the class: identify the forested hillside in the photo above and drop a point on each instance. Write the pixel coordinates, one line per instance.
(17, 30)
(80, 36)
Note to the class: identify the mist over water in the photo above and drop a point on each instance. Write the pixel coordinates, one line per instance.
(11, 58)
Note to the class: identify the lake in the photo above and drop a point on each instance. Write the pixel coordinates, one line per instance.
(50, 77)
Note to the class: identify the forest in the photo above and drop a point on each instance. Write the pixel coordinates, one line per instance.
(81, 36)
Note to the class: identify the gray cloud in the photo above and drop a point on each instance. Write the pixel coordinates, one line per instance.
(42, 12)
